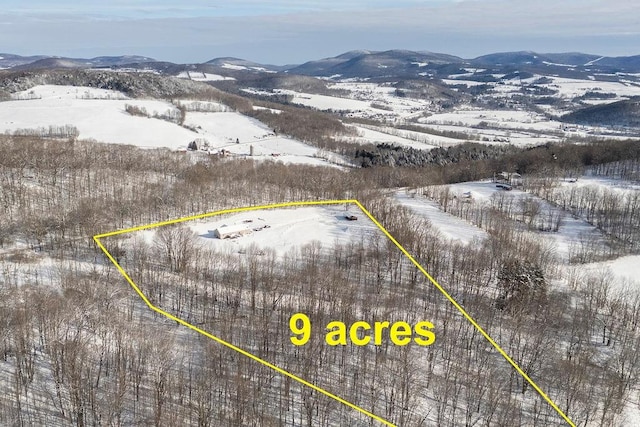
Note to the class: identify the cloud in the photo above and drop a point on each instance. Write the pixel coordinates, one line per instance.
(121, 9)
(289, 34)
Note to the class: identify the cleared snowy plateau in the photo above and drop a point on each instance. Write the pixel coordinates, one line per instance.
(282, 229)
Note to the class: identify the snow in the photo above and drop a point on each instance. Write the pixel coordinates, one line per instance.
(363, 100)
(448, 225)
(570, 88)
(272, 110)
(209, 106)
(557, 64)
(105, 120)
(623, 273)
(620, 186)
(324, 102)
(222, 130)
(379, 101)
(202, 77)
(67, 92)
(453, 82)
(234, 67)
(518, 127)
(460, 75)
(625, 269)
(288, 228)
(371, 135)
(593, 62)
(631, 413)
(264, 70)
(481, 191)
(570, 234)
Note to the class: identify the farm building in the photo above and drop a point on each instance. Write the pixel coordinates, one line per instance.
(231, 231)
(511, 178)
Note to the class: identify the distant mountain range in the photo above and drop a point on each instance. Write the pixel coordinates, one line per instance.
(18, 62)
(353, 63)
(391, 64)
(401, 63)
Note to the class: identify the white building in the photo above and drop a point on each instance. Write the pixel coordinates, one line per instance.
(231, 231)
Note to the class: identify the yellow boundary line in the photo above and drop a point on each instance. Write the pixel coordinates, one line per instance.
(97, 238)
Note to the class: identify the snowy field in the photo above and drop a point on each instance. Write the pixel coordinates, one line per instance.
(283, 229)
(515, 126)
(371, 135)
(624, 270)
(448, 225)
(570, 88)
(364, 101)
(239, 134)
(620, 186)
(102, 119)
(100, 115)
(379, 101)
(384, 94)
(562, 87)
(202, 77)
(571, 232)
(500, 118)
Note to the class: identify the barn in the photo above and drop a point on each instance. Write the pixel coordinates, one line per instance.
(231, 231)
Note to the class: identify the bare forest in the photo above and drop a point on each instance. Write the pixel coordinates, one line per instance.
(79, 347)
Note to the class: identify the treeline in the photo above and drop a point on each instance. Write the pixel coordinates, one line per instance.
(53, 190)
(472, 161)
(615, 213)
(176, 115)
(304, 124)
(83, 188)
(64, 132)
(131, 84)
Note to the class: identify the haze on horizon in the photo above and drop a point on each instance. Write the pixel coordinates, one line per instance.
(285, 31)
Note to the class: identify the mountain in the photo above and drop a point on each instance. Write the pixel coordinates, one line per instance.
(8, 60)
(572, 64)
(389, 65)
(624, 113)
(411, 64)
(110, 61)
(623, 63)
(533, 58)
(367, 64)
(16, 62)
(238, 64)
(325, 64)
(50, 63)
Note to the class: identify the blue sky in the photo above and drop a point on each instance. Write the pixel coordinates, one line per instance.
(287, 31)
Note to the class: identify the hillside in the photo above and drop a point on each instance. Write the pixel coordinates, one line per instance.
(622, 113)
(229, 244)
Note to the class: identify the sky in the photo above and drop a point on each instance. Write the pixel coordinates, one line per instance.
(289, 32)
